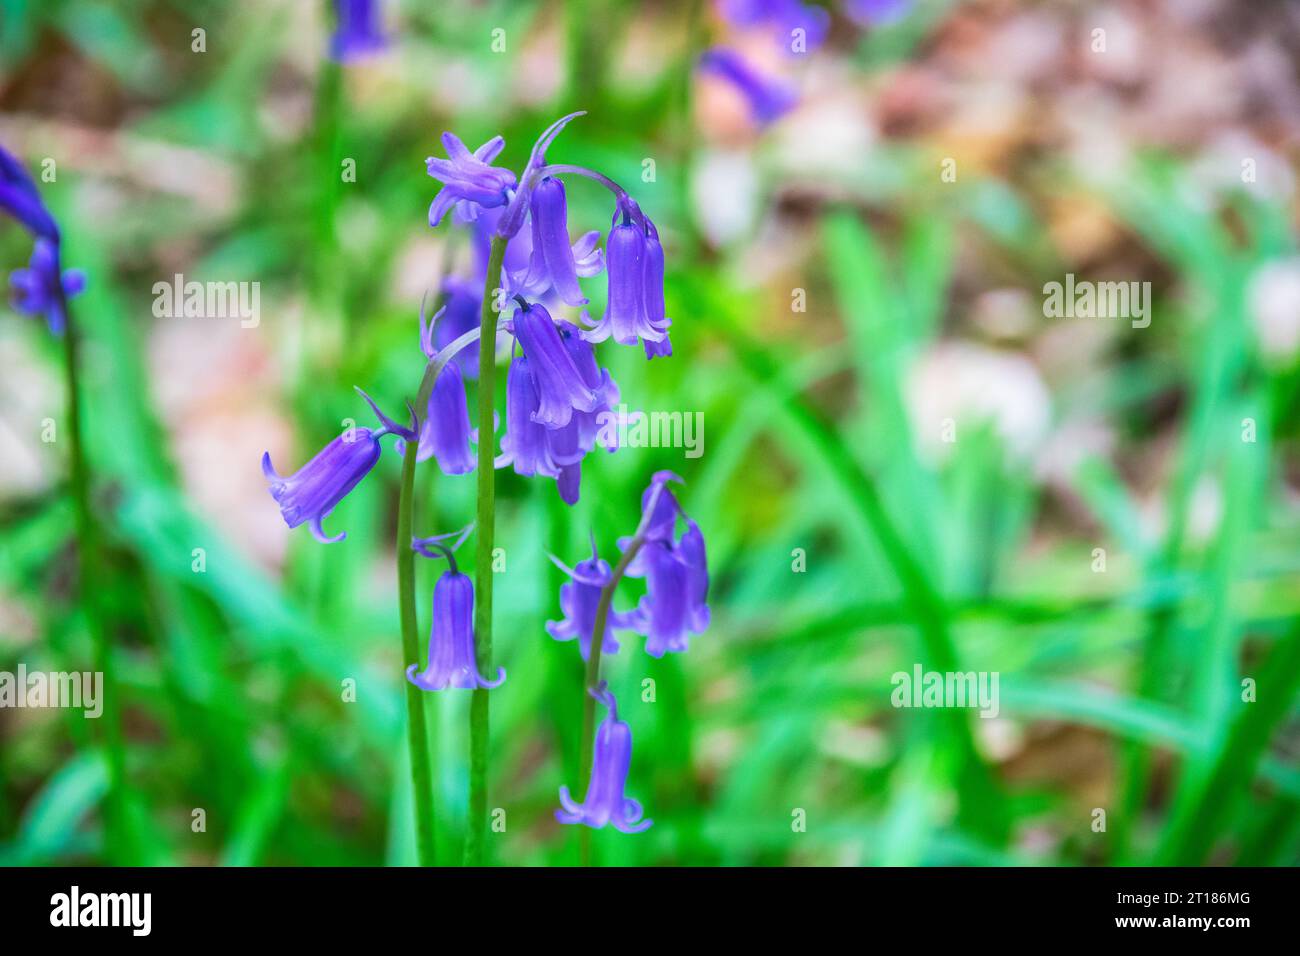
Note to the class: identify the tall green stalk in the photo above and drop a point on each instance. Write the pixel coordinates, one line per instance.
(476, 829)
(120, 847)
(417, 731)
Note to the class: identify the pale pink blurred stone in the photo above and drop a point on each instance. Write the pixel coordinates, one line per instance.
(538, 76)
(420, 264)
(971, 384)
(1273, 297)
(29, 393)
(1008, 313)
(214, 386)
(724, 194)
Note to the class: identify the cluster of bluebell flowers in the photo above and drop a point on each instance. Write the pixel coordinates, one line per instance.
(43, 288)
(674, 608)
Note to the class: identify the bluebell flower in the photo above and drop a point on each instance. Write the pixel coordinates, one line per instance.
(627, 253)
(579, 597)
(451, 661)
(358, 32)
(462, 306)
(445, 431)
(20, 198)
(676, 571)
(767, 98)
(311, 493)
(41, 289)
(469, 180)
(606, 801)
(524, 443)
(785, 16)
(552, 251)
(560, 387)
(595, 378)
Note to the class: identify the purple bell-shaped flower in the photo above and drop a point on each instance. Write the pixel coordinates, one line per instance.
(605, 801)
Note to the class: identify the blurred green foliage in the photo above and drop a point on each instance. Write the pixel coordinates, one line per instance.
(232, 677)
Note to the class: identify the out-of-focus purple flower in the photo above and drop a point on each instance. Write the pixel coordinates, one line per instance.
(875, 13)
(20, 199)
(676, 571)
(560, 387)
(445, 431)
(469, 180)
(41, 289)
(359, 32)
(524, 443)
(451, 639)
(311, 493)
(627, 251)
(578, 600)
(460, 313)
(606, 801)
(785, 16)
(768, 99)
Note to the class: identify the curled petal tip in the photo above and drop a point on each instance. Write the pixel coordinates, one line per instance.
(318, 532)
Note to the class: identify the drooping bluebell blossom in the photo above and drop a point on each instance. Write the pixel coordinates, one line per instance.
(19, 198)
(311, 493)
(469, 180)
(578, 600)
(560, 387)
(552, 251)
(767, 98)
(524, 443)
(627, 315)
(676, 571)
(595, 378)
(512, 220)
(451, 661)
(460, 313)
(654, 294)
(445, 430)
(606, 801)
(41, 289)
(358, 33)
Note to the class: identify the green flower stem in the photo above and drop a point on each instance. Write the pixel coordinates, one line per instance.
(120, 848)
(416, 717)
(417, 731)
(485, 534)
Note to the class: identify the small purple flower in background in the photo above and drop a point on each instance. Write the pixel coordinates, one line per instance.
(578, 600)
(605, 801)
(359, 32)
(41, 289)
(785, 16)
(469, 180)
(311, 493)
(451, 660)
(676, 573)
(875, 13)
(20, 198)
(462, 302)
(768, 99)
